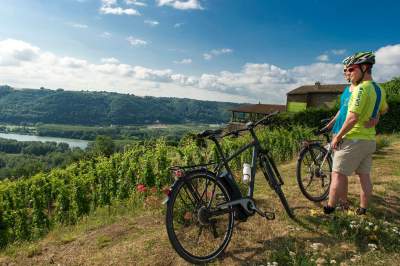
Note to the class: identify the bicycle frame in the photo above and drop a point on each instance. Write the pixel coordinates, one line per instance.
(256, 151)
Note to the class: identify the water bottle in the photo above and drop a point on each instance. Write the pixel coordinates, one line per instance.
(246, 172)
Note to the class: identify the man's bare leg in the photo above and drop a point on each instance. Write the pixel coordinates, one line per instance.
(366, 189)
(336, 190)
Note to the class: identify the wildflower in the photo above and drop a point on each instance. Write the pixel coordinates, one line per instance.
(372, 247)
(188, 216)
(316, 246)
(320, 261)
(332, 262)
(292, 254)
(370, 224)
(313, 212)
(141, 188)
(274, 263)
(355, 258)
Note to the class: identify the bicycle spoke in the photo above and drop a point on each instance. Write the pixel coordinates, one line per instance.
(212, 196)
(198, 235)
(190, 198)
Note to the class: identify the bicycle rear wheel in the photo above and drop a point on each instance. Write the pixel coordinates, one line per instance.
(269, 174)
(314, 172)
(195, 234)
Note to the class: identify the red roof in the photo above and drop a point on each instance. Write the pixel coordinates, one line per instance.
(259, 108)
(319, 88)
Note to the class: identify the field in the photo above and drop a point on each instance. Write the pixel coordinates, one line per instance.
(132, 232)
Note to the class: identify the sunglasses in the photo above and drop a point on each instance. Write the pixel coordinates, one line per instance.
(349, 69)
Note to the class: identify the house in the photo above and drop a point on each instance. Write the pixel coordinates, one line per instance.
(253, 112)
(317, 95)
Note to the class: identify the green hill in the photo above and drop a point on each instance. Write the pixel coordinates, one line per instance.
(104, 108)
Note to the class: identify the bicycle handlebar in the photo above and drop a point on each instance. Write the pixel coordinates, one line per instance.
(249, 125)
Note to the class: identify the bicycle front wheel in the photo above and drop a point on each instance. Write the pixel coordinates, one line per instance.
(314, 168)
(195, 234)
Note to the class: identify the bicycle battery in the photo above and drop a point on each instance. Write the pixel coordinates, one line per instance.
(234, 192)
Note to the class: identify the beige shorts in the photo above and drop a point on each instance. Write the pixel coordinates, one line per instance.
(354, 156)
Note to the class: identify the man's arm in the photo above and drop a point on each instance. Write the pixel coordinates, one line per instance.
(332, 122)
(351, 120)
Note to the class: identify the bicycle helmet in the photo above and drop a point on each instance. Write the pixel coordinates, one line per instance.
(360, 58)
(346, 60)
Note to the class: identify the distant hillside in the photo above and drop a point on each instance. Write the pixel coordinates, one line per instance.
(104, 108)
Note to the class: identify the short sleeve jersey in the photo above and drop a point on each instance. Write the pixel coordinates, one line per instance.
(344, 102)
(366, 100)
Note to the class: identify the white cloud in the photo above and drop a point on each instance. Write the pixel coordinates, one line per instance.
(152, 23)
(178, 25)
(252, 83)
(106, 35)
(387, 62)
(136, 42)
(110, 7)
(323, 58)
(184, 61)
(182, 5)
(135, 2)
(77, 25)
(14, 52)
(216, 52)
(110, 60)
(388, 55)
(338, 51)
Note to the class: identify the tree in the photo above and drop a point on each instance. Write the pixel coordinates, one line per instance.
(103, 145)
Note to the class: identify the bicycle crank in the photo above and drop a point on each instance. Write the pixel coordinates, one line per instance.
(267, 215)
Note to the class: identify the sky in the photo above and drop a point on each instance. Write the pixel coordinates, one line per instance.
(219, 50)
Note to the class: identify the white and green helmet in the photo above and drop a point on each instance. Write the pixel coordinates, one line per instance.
(360, 58)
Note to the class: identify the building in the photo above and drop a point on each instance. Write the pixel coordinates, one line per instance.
(317, 95)
(253, 112)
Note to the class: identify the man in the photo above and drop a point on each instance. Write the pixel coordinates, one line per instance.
(355, 143)
(338, 120)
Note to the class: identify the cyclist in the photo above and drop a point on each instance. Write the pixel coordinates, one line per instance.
(337, 122)
(355, 143)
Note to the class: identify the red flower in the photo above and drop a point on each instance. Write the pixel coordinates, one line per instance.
(141, 188)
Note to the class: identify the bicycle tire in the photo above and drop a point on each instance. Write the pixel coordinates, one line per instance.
(172, 235)
(274, 184)
(308, 151)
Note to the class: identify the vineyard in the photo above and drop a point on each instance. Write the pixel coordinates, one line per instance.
(29, 208)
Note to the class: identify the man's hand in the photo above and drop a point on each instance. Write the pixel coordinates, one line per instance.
(372, 122)
(335, 142)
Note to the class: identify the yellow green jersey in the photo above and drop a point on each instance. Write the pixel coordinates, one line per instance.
(367, 99)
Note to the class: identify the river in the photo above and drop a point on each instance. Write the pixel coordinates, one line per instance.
(71, 142)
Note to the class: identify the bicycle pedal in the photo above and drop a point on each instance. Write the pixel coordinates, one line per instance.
(267, 215)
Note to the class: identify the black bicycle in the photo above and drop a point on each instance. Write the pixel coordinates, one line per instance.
(314, 166)
(202, 205)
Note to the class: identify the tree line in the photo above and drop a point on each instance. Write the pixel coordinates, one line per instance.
(33, 106)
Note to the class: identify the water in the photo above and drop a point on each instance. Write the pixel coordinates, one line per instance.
(71, 142)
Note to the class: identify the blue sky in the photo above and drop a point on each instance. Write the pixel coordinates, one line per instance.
(236, 50)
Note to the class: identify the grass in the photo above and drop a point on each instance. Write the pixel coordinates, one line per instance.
(134, 233)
